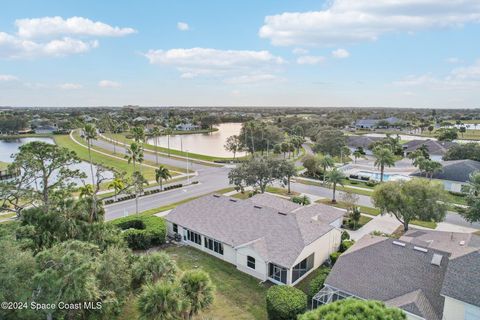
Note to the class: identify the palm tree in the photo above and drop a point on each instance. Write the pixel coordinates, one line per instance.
(198, 290)
(358, 153)
(162, 301)
(118, 185)
(162, 173)
(138, 133)
(134, 155)
(431, 167)
(138, 182)
(86, 191)
(90, 133)
(156, 133)
(335, 177)
(168, 132)
(383, 157)
(325, 162)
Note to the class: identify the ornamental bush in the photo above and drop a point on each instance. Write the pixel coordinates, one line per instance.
(317, 283)
(345, 245)
(354, 309)
(142, 232)
(345, 235)
(285, 303)
(334, 256)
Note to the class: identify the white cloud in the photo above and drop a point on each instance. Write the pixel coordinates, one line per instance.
(340, 53)
(183, 26)
(310, 59)
(460, 78)
(54, 26)
(350, 21)
(14, 47)
(226, 64)
(70, 86)
(7, 77)
(453, 60)
(299, 51)
(109, 84)
(252, 78)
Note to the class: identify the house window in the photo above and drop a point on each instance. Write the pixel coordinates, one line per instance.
(251, 262)
(175, 228)
(277, 273)
(302, 267)
(213, 245)
(194, 237)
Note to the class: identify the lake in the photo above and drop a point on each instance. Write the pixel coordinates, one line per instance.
(10, 146)
(203, 143)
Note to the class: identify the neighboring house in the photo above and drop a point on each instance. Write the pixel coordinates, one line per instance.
(431, 275)
(46, 129)
(375, 123)
(436, 149)
(268, 237)
(140, 120)
(186, 127)
(354, 142)
(455, 174)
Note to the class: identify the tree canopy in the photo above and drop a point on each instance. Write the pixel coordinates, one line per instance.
(415, 199)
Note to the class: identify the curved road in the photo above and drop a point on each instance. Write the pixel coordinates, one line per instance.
(215, 178)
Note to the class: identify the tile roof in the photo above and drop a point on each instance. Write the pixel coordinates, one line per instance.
(245, 222)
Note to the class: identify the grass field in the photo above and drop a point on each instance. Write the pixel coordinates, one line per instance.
(3, 165)
(339, 187)
(122, 138)
(97, 158)
(363, 209)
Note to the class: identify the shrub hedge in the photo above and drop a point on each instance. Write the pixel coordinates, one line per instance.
(147, 192)
(142, 232)
(317, 283)
(334, 256)
(285, 303)
(345, 245)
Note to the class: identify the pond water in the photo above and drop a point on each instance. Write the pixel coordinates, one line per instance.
(203, 143)
(9, 147)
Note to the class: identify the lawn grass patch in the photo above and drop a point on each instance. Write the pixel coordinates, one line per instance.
(363, 209)
(122, 138)
(242, 196)
(425, 224)
(339, 187)
(238, 295)
(281, 191)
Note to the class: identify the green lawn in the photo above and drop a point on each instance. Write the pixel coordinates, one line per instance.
(3, 165)
(339, 187)
(238, 295)
(97, 158)
(363, 209)
(121, 137)
(281, 191)
(426, 224)
(240, 195)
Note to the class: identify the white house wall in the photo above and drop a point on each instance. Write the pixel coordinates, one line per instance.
(454, 309)
(260, 271)
(322, 247)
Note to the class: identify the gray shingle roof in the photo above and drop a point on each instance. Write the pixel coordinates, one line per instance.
(361, 141)
(242, 222)
(434, 147)
(456, 170)
(271, 201)
(462, 279)
(384, 271)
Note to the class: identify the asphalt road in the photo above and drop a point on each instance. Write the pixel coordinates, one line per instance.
(215, 178)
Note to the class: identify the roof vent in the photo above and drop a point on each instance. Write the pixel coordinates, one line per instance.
(462, 243)
(397, 243)
(257, 207)
(216, 195)
(436, 259)
(233, 200)
(420, 249)
(282, 213)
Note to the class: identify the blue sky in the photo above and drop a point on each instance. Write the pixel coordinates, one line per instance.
(350, 53)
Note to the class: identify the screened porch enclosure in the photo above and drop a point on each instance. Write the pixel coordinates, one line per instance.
(277, 273)
(328, 295)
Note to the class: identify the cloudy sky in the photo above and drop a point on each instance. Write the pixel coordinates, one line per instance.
(393, 53)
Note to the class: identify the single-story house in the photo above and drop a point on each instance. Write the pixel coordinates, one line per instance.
(267, 237)
(436, 149)
(186, 127)
(375, 123)
(431, 275)
(355, 142)
(46, 129)
(455, 174)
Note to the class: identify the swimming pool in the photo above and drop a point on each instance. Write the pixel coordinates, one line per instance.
(386, 176)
